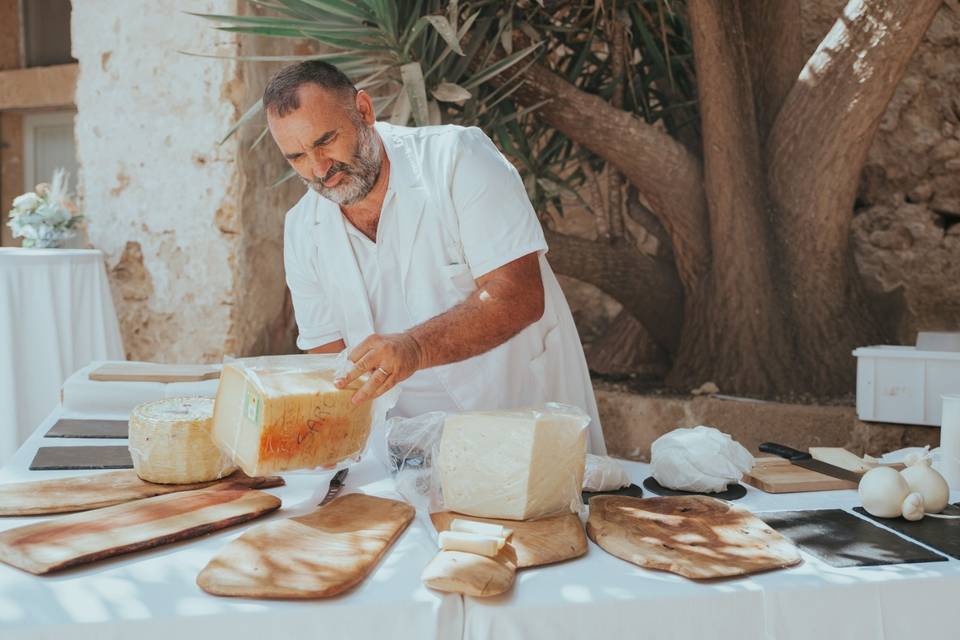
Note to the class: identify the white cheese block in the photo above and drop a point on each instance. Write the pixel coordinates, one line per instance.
(170, 442)
(516, 465)
(471, 543)
(276, 418)
(482, 528)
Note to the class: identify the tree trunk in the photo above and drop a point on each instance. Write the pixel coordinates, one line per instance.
(771, 300)
(816, 149)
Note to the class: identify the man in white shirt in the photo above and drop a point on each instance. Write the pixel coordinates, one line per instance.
(418, 249)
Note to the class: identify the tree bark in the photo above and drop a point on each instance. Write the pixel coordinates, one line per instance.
(648, 288)
(661, 168)
(816, 150)
(740, 340)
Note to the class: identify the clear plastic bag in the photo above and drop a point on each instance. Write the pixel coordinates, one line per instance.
(284, 413)
(517, 465)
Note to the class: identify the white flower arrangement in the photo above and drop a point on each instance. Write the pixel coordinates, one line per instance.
(46, 216)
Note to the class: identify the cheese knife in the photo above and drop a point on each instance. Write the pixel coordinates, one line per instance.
(805, 460)
(336, 484)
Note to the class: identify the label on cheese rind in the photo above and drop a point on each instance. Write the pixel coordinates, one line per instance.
(470, 543)
(278, 414)
(170, 442)
(516, 465)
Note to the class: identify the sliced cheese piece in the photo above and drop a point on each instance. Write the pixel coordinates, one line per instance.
(515, 465)
(171, 442)
(279, 417)
(840, 457)
(471, 543)
(483, 528)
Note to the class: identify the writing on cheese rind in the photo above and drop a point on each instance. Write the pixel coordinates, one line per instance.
(281, 418)
(515, 465)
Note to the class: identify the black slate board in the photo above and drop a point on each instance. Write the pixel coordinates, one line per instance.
(733, 492)
(939, 533)
(75, 428)
(60, 458)
(630, 490)
(841, 539)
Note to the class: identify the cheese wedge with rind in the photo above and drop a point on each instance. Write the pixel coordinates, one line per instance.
(515, 465)
(274, 417)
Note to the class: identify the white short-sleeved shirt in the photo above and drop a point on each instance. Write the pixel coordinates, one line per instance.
(456, 209)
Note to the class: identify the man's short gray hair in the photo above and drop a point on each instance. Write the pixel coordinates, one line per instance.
(280, 96)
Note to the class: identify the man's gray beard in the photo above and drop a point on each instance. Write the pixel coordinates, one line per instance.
(359, 176)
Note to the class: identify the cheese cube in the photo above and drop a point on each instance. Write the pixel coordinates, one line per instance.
(281, 418)
(170, 442)
(516, 465)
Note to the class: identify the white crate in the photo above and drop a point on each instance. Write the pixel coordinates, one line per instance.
(903, 384)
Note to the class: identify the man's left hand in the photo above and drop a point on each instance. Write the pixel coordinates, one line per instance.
(389, 359)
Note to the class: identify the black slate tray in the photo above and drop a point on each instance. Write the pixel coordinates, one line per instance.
(83, 457)
(76, 428)
(631, 490)
(941, 534)
(841, 539)
(733, 492)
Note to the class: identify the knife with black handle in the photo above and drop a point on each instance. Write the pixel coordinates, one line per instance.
(805, 460)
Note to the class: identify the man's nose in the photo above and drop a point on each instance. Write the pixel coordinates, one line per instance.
(321, 165)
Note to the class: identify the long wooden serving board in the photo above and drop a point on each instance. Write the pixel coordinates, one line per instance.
(153, 372)
(694, 536)
(93, 535)
(82, 493)
(318, 555)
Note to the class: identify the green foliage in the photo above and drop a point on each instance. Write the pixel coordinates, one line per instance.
(432, 61)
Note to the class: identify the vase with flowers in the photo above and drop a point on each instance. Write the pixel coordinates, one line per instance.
(45, 217)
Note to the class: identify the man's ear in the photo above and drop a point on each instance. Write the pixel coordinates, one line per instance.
(365, 107)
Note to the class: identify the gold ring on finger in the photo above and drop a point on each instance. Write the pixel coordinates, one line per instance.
(383, 371)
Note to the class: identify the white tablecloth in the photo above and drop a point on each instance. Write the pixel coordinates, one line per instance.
(56, 315)
(600, 596)
(153, 594)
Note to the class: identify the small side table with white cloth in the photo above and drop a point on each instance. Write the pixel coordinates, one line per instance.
(56, 316)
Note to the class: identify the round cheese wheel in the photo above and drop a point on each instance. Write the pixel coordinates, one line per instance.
(170, 442)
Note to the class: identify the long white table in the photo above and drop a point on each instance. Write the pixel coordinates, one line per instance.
(152, 594)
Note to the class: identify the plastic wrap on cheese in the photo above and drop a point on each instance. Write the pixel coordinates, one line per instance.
(283, 413)
(171, 442)
(517, 465)
(700, 459)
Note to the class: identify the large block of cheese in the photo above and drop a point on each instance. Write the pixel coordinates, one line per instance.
(280, 418)
(516, 465)
(170, 442)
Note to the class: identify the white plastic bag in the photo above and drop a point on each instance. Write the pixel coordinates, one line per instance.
(701, 459)
(603, 473)
(519, 465)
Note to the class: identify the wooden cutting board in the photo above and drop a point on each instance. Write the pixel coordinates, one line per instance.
(153, 372)
(776, 475)
(694, 536)
(471, 574)
(93, 535)
(318, 555)
(537, 542)
(82, 493)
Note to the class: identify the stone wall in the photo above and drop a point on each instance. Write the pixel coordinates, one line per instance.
(193, 237)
